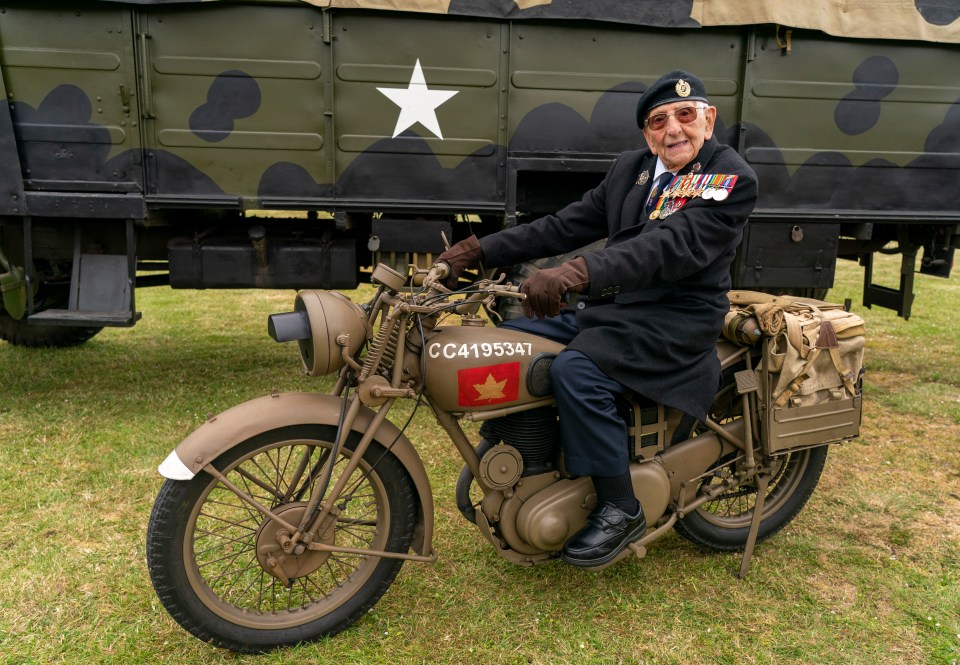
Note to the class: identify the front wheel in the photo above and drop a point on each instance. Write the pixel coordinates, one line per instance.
(213, 558)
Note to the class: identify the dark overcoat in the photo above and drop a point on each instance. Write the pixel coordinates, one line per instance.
(658, 289)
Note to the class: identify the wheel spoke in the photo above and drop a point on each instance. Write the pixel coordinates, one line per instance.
(313, 475)
(228, 570)
(298, 472)
(259, 483)
(734, 508)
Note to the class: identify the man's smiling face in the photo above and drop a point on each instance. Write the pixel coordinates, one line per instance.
(677, 143)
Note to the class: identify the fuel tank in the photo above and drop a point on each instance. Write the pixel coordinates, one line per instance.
(471, 368)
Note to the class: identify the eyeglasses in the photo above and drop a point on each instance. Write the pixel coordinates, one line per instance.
(684, 115)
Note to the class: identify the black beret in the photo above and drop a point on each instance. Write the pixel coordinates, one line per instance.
(676, 86)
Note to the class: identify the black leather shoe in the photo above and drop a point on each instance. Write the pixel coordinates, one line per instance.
(609, 529)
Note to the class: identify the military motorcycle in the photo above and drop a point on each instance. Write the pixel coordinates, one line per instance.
(285, 518)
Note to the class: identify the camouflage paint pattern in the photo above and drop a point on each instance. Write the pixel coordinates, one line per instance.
(193, 106)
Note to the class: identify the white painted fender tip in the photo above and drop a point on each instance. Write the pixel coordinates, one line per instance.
(174, 469)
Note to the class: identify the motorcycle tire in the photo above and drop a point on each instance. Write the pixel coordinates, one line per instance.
(723, 523)
(206, 547)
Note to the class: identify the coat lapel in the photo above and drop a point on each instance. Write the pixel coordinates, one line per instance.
(629, 198)
(637, 197)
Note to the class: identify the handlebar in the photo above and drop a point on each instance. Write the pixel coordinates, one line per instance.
(480, 289)
(435, 276)
(480, 293)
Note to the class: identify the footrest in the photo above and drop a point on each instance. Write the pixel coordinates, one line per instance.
(72, 317)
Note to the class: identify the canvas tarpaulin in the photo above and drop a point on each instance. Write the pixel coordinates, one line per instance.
(924, 20)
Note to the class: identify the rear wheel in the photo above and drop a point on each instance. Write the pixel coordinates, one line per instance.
(723, 523)
(215, 561)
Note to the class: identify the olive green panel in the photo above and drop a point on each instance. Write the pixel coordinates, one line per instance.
(70, 82)
(374, 51)
(573, 66)
(234, 93)
(868, 100)
(12, 198)
(850, 125)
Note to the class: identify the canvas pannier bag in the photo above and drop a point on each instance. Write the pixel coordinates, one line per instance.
(810, 370)
(818, 357)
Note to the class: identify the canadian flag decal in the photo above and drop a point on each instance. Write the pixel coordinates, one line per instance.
(491, 384)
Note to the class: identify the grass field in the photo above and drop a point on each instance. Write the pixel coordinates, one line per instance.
(868, 573)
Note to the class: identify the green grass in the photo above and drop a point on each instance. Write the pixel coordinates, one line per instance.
(868, 573)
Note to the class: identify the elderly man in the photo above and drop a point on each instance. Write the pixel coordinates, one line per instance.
(653, 298)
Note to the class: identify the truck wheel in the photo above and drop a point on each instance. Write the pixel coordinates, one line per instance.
(21, 333)
(723, 523)
(213, 559)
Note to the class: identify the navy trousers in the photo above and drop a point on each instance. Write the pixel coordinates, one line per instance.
(592, 435)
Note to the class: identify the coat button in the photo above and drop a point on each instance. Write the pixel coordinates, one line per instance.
(581, 305)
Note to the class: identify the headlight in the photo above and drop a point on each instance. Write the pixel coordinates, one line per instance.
(318, 319)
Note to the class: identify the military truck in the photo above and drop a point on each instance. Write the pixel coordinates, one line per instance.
(289, 144)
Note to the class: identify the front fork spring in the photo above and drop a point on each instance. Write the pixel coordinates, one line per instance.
(383, 348)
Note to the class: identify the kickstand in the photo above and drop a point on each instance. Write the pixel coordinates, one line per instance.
(762, 480)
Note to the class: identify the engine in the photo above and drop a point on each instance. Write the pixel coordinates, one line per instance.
(532, 433)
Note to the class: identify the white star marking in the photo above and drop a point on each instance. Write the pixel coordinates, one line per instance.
(417, 103)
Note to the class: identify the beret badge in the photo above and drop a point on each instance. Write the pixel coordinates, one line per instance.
(683, 88)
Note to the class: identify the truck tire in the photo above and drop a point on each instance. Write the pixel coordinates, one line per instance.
(21, 333)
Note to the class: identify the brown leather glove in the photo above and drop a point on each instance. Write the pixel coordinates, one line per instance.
(545, 287)
(465, 254)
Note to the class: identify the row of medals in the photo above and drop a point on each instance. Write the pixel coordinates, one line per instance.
(707, 186)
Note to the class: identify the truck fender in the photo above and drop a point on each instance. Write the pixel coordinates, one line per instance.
(239, 423)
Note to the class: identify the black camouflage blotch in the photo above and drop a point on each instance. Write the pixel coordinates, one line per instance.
(946, 137)
(416, 173)
(84, 157)
(661, 13)
(829, 181)
(859, 110)
(44, 155)
(612, 127)
(938, 12)
(176, 176)
(232, 95)
(285, 179)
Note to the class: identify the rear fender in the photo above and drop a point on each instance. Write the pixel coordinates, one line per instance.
(239, 423)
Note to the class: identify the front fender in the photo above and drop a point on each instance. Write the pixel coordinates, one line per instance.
(239, 423)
